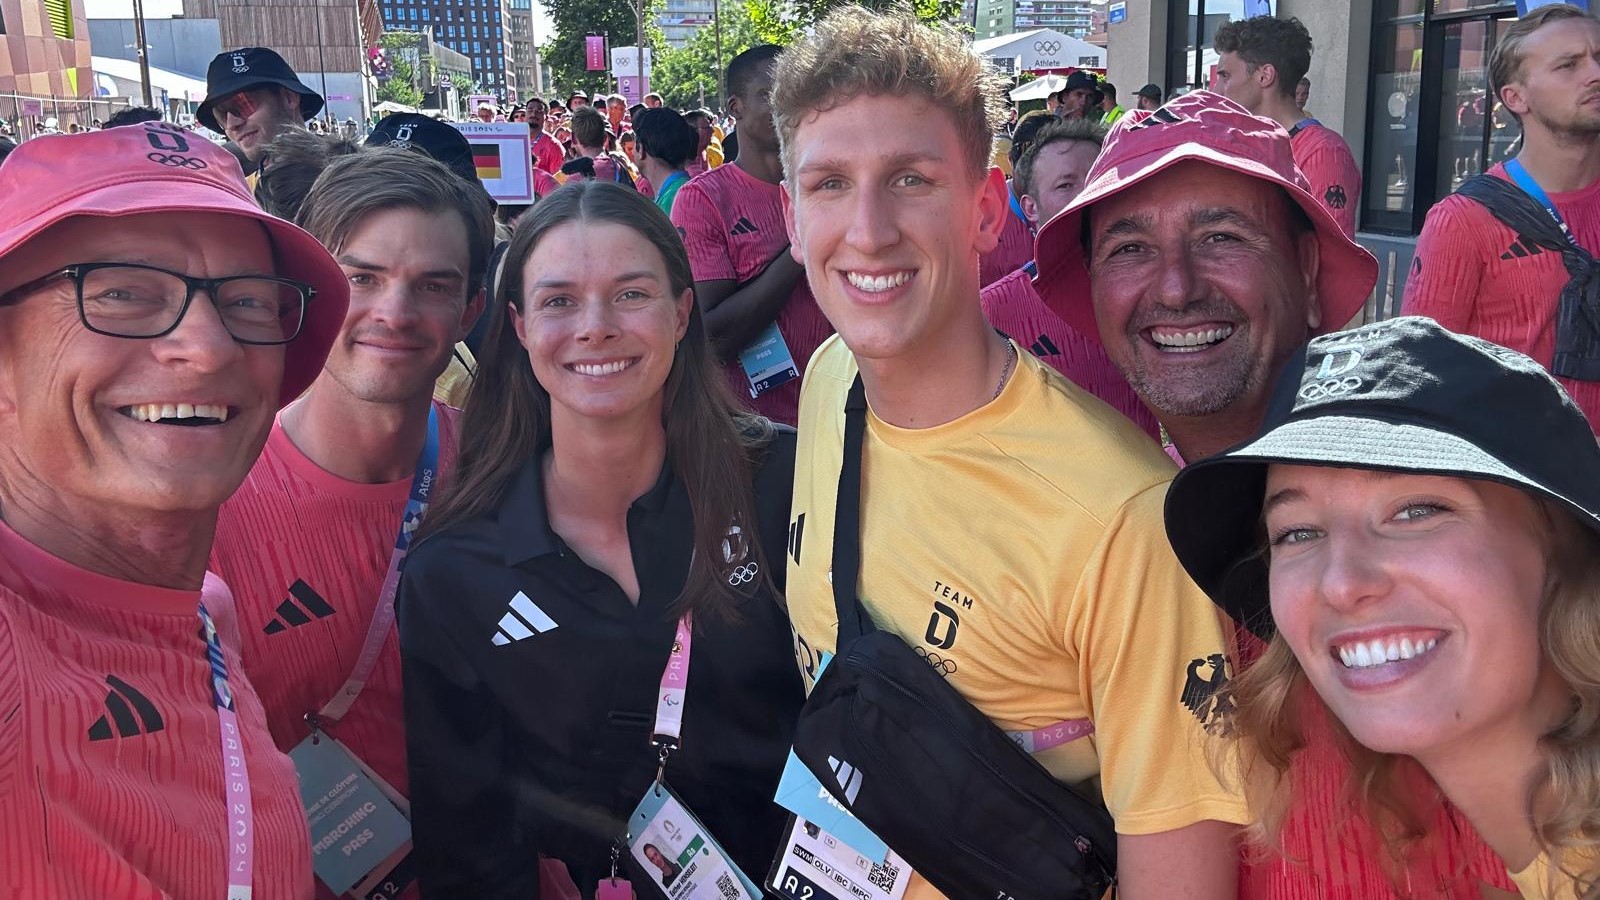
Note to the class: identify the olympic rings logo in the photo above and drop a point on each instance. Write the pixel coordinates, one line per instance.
(945, 667)
(744, 574)
(1051, 47)
(175, 161)
(1327, 390)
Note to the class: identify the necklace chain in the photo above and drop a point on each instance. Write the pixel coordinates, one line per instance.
(1005, 372)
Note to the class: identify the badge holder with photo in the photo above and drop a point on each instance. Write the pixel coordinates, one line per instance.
(360, 825)
(670, 845)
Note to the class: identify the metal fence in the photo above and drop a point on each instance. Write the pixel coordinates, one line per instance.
(26, 114)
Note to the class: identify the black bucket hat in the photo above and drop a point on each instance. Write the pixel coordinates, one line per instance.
(440, 140)
(1402, 395)
(233, 71)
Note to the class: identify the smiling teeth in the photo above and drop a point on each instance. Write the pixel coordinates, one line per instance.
(610, 368)
(874, 284)
(1376, 653)
(1193, 338)
(155, 412)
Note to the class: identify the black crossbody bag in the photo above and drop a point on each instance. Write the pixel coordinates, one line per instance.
(942, 785)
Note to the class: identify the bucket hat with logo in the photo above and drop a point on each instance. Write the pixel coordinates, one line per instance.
(158, 167)
(1212, 129)
(233, 71)
(1402, 395)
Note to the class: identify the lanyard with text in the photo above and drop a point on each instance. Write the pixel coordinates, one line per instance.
(1523, 180)
(235, 774)
(383, 615)
(666, 840)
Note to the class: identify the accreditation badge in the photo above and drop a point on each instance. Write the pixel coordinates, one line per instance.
(360, 838)
(816, 865)
(679, 856)
(767, 362)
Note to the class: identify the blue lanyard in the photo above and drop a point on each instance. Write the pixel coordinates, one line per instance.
(427, 475)
(1531, 188)
(670, 180)
(239, 836)
(1302, 125)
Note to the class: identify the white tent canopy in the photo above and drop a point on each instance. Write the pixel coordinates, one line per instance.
(1042, 48)
(389, 106)
(177, 85)
(1039, 88)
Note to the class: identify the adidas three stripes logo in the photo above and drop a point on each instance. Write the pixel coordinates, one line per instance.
(744, 226)
(122, 701)
(522, 620)
(848, 778)
(297, 614)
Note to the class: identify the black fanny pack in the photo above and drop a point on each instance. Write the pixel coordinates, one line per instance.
(942, 785)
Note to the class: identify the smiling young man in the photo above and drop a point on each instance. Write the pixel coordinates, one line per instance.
(1474, 273)
(252, 95)
(987, 475)
(308, 543)
(152, 321)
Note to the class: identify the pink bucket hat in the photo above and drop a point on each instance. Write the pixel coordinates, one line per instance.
(1211, 129)
(158, 167)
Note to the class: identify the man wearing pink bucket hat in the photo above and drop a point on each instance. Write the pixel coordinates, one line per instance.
(152, 322)
(1201, 259)
(1199, 255)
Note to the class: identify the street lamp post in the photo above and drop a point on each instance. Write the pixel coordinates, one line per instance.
(144, 59)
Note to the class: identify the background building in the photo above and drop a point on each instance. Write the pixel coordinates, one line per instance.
(44, 62)
(325, 41)
(998, 17)
(525, 68)
(178, 50)
(477, 29)
(1405, 82)
(680, 19)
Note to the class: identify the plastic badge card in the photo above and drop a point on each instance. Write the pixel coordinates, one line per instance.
(359, 839)
(815, 865)
(679, 855)
(767, 361)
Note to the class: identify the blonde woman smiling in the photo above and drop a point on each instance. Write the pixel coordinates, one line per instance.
(1416, 530)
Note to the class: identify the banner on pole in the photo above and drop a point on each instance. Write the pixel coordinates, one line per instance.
(502, 152)
(594, 53)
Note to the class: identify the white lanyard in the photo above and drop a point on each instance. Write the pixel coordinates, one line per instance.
(235, 774)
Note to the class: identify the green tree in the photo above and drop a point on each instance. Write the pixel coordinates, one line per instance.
(403, 85)
(682, 74)
(781, 21)
(576, 19)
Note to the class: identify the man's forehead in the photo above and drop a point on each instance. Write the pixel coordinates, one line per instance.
(1563, 37)
(1186, 190)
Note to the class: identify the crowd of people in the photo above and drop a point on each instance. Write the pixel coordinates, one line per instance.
(806, 509)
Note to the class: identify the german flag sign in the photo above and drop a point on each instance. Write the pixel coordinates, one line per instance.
(502, 155)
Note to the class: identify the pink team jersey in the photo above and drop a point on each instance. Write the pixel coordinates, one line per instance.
(1325, 159)
(111, 777)
(1013, 306)
(306, 552)
(1012, 253)
(732, 225)
(547, 153)
(543, 183)
(1476, 276)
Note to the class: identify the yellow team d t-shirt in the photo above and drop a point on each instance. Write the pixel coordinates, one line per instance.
(1020, 550)
(1541, 881)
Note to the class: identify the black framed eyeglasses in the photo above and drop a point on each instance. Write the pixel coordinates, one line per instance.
(131, 300)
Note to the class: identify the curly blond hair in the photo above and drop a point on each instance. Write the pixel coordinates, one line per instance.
(856, 52)
(1272, 697)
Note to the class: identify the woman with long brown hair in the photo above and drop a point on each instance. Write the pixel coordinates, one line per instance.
(612, 519)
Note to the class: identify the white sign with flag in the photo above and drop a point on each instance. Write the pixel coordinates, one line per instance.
(502, 152)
